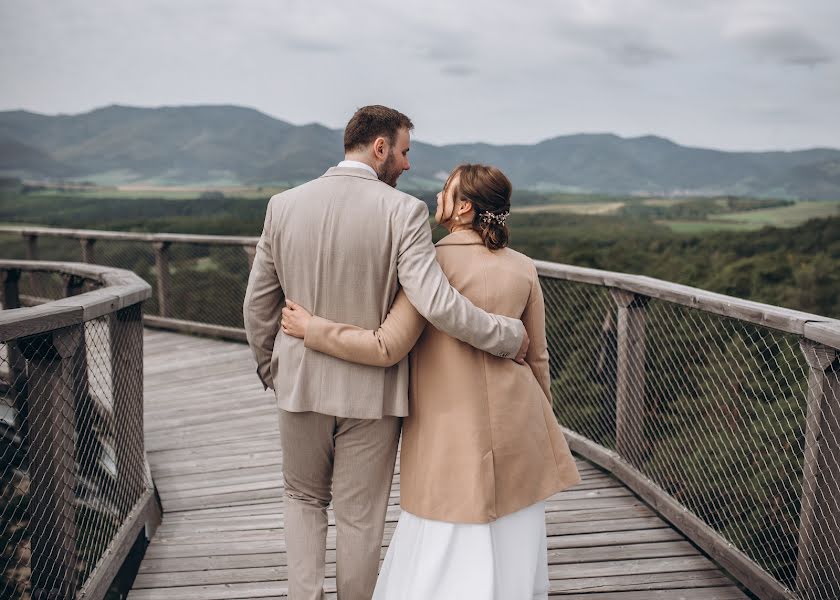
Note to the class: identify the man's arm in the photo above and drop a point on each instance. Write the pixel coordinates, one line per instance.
(431, 294)
(263, 303)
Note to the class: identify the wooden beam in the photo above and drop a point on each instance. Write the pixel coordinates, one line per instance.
(163, 277)
(233, 334)
(818, 558)
(88, 253)
(52, 459)
(630, 376)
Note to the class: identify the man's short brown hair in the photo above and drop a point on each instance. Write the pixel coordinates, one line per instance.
(371, 122)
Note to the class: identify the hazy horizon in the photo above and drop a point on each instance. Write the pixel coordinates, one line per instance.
(415, 138)
(742, 75)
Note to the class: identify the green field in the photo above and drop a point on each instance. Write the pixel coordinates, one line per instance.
(785, 216)
(163, 192)
(699, 227)
(581, 208)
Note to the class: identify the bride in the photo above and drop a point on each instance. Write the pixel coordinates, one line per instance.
(481, 449)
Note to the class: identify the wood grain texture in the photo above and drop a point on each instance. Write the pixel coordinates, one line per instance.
(213, 446)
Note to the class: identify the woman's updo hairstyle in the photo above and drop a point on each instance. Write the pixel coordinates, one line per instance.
(489, 191)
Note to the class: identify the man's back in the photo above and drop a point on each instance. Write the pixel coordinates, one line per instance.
(335, 243)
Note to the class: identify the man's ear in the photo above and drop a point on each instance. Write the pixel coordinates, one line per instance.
(380, 148)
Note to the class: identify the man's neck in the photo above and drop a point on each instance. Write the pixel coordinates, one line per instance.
(357, 162)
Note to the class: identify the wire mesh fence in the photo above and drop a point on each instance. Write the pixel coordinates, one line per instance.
(738, 422)
(208, 283)
(72, 464)
(713, 410)
(191, 280)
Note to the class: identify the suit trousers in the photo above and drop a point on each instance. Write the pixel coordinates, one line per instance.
(348, 461)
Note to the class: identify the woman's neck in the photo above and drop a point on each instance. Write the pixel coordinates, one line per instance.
(459, 227)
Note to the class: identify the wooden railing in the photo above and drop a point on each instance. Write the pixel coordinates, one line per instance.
(764, 379)
(76, 489)
(722, 413)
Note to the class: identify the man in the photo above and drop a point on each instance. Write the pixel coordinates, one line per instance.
(340, 246)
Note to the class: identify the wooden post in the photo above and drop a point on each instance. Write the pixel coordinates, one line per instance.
(127, 381)
(630, 376)
(52, 460)
(11, 289)
(73, 285)
(250, 252)
(32, 254)
(163, 277)
(818, 559)
(17, 364)
(31, 246)
(605, 374)
(88, 254)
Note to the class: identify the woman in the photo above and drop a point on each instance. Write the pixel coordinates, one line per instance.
(481, 450)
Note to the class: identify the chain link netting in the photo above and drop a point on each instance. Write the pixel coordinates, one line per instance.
(72, 465)
(713, 410)
(207, 283)
(204, 283)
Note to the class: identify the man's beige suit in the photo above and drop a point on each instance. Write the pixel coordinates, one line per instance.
(340, 246)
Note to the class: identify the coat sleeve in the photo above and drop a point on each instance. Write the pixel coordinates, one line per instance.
(429, 291)
(381, 348)
(534, 319)
(263, 303)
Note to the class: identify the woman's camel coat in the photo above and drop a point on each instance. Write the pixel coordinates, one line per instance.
(481, 440)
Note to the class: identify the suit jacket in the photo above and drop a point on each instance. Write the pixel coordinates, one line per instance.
(481, 440)
(341, 246)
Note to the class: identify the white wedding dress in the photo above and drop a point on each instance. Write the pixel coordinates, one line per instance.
(502, 560)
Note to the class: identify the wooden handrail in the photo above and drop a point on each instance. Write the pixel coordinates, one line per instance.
(121, 288)
(127, 236)
(814, 327)
(51, 338)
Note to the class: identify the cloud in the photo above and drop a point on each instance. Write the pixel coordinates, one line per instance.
(459, 70)
(787, 46)
(639, 53)
(623, 44)
(312, 45)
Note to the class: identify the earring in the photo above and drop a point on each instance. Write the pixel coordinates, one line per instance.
(458, 219)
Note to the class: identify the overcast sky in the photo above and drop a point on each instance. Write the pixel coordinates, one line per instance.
(731, 74)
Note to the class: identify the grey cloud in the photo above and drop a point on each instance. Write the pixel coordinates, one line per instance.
(459, 70)
(441, 47)
(639, 53)
(624, 45)
(313, 45)
(787, 46)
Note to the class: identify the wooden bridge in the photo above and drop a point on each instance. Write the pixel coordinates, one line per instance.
(211, 438)
(706, 428)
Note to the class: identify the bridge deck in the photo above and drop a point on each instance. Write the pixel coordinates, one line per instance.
(212, 442)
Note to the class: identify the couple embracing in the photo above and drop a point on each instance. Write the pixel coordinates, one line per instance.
(365, 329)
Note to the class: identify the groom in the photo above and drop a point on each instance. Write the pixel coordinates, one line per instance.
(340, 245)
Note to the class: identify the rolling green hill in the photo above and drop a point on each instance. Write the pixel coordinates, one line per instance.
(235, 145)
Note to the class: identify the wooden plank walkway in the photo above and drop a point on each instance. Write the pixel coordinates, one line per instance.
(212, 442)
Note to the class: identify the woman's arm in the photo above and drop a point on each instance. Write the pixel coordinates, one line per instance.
(381, 348)
(534, 320)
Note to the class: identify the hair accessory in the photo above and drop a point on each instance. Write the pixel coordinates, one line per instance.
(499, 219)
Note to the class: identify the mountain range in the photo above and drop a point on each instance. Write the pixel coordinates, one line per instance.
(230, 145)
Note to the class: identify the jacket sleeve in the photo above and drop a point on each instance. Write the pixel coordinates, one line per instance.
(429, 291)
(534, 319)
(263, 304)
(381, 348)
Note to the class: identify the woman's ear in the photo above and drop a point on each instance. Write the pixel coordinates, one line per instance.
(465, 207)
